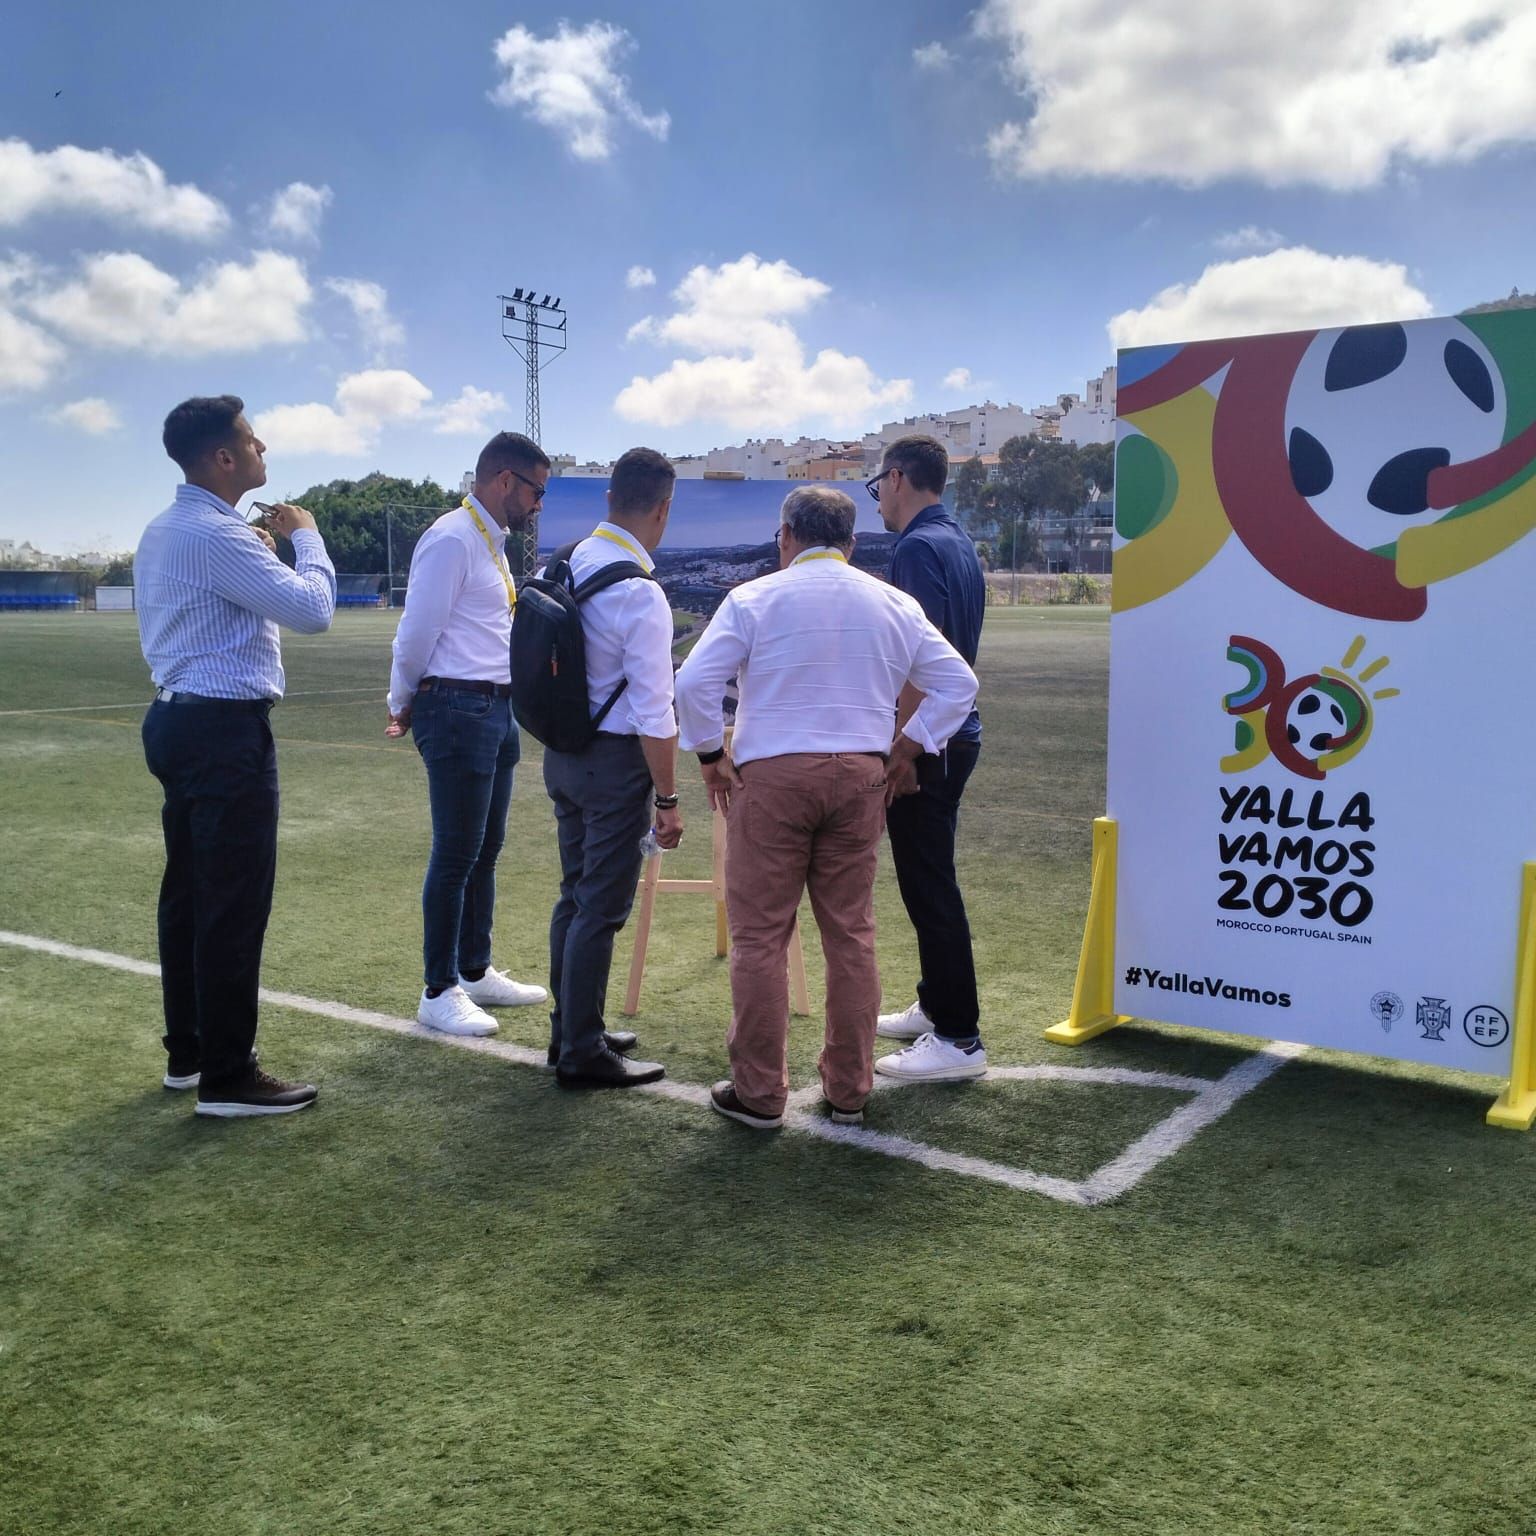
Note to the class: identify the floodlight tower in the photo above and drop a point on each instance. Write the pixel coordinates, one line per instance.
(535, 329)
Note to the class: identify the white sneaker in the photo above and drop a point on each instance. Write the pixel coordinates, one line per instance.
(906, 1025)
(497, 990)
(932, 1060)
(452, 1013)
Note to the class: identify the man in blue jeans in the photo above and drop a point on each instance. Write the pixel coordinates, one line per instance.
(936, 562)
(450, 686)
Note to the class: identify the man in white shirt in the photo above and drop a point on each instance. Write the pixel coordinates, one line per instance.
(450, 687)
(822, 651)
(604, 795)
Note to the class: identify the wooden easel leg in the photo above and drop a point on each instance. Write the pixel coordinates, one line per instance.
(799, 992)
(648, 879)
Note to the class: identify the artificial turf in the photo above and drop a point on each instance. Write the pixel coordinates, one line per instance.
(452, 1298)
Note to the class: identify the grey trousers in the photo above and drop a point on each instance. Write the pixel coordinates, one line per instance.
(602, 802)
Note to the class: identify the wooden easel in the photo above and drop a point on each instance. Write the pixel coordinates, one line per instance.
(652, 885)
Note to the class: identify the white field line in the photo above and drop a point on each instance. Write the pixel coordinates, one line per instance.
(84, 709)
(1212, 1098)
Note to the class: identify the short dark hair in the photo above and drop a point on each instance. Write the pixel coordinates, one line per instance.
(200, 426)
(509, 450)
(923, 460)
(816, 514)
(641, 479)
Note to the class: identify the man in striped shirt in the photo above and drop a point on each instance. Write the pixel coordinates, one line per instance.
(211, 593)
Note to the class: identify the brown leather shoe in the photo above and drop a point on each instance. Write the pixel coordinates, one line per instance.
(724, 1101)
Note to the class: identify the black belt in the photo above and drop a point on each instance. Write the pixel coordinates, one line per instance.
(466, 685)
(170, 696)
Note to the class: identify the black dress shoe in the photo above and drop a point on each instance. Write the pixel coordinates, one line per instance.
(620, 1040)
(608, 1069)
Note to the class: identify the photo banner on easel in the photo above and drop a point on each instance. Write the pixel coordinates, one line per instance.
(1322, 750)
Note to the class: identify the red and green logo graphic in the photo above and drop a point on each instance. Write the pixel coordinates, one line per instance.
(1309, 724)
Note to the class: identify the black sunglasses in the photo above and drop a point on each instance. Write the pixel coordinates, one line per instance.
(873, 485)
(538, 490)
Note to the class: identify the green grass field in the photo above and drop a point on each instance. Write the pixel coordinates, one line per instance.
(454, 1299)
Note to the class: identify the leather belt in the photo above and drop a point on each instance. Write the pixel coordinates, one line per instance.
(173, 696)
(466, 685)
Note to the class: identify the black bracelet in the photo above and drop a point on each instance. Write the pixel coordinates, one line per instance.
(666, 802)
(706, 758)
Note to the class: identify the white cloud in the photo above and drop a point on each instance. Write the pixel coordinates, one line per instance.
(1249, 238)
(370, 305)
(570, 84)
(958, 378)
(932, 56)
(1311, 92)
(296, 211)
(472, 413)
(365, 403)
(93, 415)
(639, 277)
(124, 301)
(29, 356)
(752, 373)
(129, 189)
(1286, 290)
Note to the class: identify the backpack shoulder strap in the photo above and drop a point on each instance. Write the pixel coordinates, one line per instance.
(610, 576)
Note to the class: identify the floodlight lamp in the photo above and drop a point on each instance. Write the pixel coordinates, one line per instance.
(517, 293)
(557, 303)
(546, 301)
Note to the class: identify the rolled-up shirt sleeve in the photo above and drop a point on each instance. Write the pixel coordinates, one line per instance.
(244, 571)
(647, 660)
(438, 572)
(702, 681)
(939, 672)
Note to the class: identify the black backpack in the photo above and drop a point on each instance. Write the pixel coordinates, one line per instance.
(549, 653)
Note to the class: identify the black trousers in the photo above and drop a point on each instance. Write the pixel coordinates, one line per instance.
(218, 767)
(922, 832)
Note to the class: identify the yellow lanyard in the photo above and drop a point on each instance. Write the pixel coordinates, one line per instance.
(821, 554)
(500, 561)
(621, 541)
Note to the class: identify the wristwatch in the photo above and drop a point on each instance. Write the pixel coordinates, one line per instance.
(706, 758)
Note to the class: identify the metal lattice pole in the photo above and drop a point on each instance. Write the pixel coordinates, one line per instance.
(535, 330)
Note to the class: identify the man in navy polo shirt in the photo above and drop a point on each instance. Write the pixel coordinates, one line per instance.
(936, 562)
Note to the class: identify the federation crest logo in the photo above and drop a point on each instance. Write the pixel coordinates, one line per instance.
(1310, 724)
(1386, 1009)
(1433, 1016)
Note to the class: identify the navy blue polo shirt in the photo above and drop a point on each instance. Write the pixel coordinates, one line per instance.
(936, 562)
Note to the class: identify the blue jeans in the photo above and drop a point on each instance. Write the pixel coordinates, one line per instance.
(469, 743)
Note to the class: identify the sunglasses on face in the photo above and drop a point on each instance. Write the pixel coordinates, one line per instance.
(533, 485)
(872, 485)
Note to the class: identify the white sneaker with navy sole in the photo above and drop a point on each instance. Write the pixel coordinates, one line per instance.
(906, 1025)
(931, 1059)
(452, 1013)
(497, 990)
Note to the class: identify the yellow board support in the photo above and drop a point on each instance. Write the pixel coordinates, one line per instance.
(1515, 1108)
(1093, 998)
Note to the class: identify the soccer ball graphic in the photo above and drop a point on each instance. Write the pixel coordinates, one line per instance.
(1314, 723)
(1374, 409)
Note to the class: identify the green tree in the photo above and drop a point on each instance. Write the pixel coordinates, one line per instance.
(975, 497)
(1098, 464)
(351, 517)
(118, 572)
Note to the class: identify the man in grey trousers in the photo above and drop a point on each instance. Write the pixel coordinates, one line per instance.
(605, 795)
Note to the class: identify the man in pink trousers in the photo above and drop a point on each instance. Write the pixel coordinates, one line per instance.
(821, 652)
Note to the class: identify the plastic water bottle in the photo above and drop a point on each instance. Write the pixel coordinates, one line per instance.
(649, 847)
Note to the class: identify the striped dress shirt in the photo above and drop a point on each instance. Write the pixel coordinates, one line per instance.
(210, 596)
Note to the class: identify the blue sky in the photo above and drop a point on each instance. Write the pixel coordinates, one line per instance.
(841, 205)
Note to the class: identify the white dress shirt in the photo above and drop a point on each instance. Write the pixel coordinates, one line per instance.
(627, 630)
(458, 617)
(210, 596)
(822, 650)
